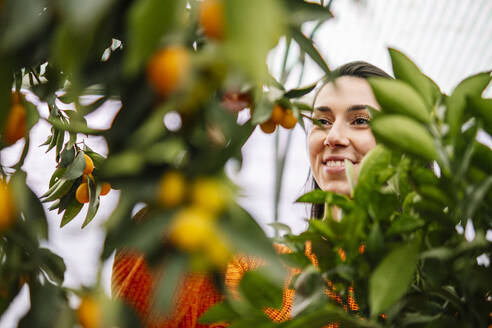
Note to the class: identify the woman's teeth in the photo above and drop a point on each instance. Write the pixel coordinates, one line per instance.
(335, 163)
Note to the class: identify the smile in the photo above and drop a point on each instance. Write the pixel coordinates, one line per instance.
(335, 165)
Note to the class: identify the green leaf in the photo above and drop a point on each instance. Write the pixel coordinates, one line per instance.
(295, 260)
(391, 278)
(349, 172)
(279, 226)
(405, 134)
(316, 196)
(71, 212)
(50, 305)
(262, 111)
(476, 197)
(440, 253)
(456, 102)
(325, 315)
(376, 160)
(405, 223)
(482, 157)
(299, 92)
(175, 269)
(375, 241)
(483, 109)
(75, 126)
(330, 228)
(435, 194)
(302, 11)
(260, 290)
(405, 70)
(302, 106)
(56, 176)
(29, 204)
(307, 46)
(220, 312)
(246, 44)
(76, 168)
(309, 286)
(32, 115)
(54, 205)
(59, 189)
(147, 22)
(53, 265)
(94, 201)
(398, 97)
(67, 156)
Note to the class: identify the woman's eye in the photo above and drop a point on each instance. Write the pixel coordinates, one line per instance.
(323, 121)
(361, 121)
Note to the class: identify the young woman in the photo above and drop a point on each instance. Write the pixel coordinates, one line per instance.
(340, 108)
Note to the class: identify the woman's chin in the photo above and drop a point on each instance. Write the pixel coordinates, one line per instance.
(340, 187)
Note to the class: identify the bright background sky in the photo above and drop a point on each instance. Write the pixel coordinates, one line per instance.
(448, 39)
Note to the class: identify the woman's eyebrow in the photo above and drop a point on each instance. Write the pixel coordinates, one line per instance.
(350, 109)
(356, 107)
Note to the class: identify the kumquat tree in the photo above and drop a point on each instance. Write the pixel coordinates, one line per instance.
(394, 259)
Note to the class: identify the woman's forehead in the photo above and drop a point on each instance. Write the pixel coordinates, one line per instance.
(346, 91)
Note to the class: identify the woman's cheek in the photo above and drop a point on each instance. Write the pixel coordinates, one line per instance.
(365, 141)
(315, 144)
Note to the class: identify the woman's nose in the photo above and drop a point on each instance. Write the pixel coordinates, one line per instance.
(336, 136)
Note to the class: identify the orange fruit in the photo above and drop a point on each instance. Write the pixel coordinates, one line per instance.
(16, 97)
(172, 188)
(89, 165)
(82, 193)
(289, 120)
(7, 207)
(168, 68)
(15, 126)
(208, 194)
(105, 188)
(268, 127)
(192, 228)
(89, 313)
(277, 114)
(211, 18)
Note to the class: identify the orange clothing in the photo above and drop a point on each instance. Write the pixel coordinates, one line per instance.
(133, 281)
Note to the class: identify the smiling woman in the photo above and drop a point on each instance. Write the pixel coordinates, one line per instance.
(342, 131)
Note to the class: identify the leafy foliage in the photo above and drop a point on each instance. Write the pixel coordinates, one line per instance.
(395, 248)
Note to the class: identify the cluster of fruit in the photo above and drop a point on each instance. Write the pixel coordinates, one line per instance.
(193, 228)
(74, 183)
(15, 125)
(169, 67)
(279, 116)
(82, 193)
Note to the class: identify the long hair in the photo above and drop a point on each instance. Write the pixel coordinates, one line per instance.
(357, 69)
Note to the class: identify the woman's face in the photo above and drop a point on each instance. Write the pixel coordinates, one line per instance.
(344, 133)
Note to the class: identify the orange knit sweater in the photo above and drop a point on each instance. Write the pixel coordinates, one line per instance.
(133, 281)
